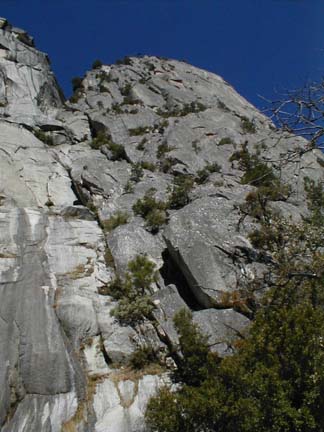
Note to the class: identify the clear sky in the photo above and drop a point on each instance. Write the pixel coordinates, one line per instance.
(256, 45)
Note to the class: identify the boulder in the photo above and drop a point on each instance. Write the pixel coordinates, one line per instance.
(222, 327)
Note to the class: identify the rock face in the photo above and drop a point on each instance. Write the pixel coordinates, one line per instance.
(70, 174)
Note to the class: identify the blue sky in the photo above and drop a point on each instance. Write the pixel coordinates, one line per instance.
(256, 45)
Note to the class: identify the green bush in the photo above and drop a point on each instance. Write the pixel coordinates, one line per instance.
(117, 108)
(155, 219)
(143, 357)
(100, 140)
(133, 291)
(195, 354)
(141, 144)
(129, 187)
(256, 202)
(120, 218)
(167, 163)
(152, 210)
(126, 90)
(137, 172)
(42, 136)
(257, 173)
(163, 125)
(76, 96)
(274, 382)
(148, 165)
(103, 88)
(315, 200)
(247, 125)
(141, 130)
(77, 83)
(124, 61)
(203, 174)
(193, 107)
(133, 309)
(163, 149)
(117, 150)
(97, 64)
(182, 186)
(129, 100)
(225, 140)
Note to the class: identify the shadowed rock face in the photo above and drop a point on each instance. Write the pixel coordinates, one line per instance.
(67, 168)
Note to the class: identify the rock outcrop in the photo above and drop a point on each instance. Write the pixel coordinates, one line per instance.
(70, 174)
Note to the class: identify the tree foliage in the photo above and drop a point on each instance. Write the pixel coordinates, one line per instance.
(133, 291)
(275, 380)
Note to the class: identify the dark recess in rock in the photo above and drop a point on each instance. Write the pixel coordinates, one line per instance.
(172, 275)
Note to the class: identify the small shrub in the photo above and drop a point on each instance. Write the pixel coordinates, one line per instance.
(103, 88)
(76, 96)
(141, 130)
(137, 172)
(120, 218)
(155, 219)
(133, 309)
(193, 107)
(97, 64)
(260, 174)
(124, 61)
(100, 140)
(129, 187)
(49, 203)
(141, 145)
(133, 291)
(152, 210)
(142, 357)
(225, 140)
(148, 166)
(163, 125)
(203, 174)
(257, 173)
(182, 186)
(117, 150)
(129, 100)
(256, 202)
(194, 349)
(150, 66)
(163, 149)
(167, 163)
(42, 136)
(126, 90)
(117, 108)
(109, 259)
(247, 125)
(77, 83)
(315, 200)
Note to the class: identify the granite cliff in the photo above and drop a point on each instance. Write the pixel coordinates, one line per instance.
(144, 160)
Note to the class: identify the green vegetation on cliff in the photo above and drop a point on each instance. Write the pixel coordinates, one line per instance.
(275, 380)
